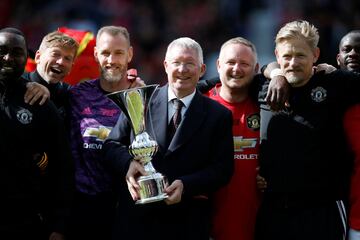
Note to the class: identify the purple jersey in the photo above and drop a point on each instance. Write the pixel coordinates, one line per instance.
(92, 117)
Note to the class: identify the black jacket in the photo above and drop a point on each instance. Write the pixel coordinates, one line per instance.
(303, 149)
(59, 92)
(29, 185)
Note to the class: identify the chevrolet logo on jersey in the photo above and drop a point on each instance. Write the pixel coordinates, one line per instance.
(100, 132)
(240, 143)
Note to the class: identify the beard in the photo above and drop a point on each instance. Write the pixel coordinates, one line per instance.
(113, 76)
(295, 80)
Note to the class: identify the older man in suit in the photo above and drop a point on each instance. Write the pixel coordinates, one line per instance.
(197, 160)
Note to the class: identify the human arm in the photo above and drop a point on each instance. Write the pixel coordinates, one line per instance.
(260, 181)
(134, 79)
(174, 191)
(135, 170)
(34, 92)
(327, 68)
(279, 89)
(206, 85)
(56, 236)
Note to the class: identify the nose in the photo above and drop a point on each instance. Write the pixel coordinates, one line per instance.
(183, 67)
(293, 61)
(60, 60)
(112, 58)
(354, 52)
(237, 67)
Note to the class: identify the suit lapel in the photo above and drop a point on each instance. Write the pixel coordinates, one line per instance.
(157, 119)
(192, 120)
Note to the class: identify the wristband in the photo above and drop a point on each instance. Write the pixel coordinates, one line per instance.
(276, 72)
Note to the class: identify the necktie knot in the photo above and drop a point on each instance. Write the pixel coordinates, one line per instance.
(177, 104)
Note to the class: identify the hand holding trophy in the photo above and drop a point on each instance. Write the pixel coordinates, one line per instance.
(134, 104)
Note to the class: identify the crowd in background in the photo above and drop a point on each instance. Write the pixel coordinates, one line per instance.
(153, 24)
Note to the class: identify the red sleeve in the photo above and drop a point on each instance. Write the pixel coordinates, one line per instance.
(352, 130)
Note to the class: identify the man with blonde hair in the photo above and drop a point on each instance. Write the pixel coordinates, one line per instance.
(54, 60)
(303, 148)
(197, 159)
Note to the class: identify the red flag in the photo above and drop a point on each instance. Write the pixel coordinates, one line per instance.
(30, 65)
(85, 66)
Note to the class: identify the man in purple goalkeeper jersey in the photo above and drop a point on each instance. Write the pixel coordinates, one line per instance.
(92, 116)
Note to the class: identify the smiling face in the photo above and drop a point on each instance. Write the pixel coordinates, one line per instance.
(349, 52)
(54, 63)
(236, 66)
(13, 55)
(184, 69)
(296, 59)
(113, 53)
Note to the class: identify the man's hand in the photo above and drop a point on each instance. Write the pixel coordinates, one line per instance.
(174, 191)
(135, 171)
(278, 93)
(34, 92)
(133, 79)
(56, 236)
(260, 182)
(327, 68)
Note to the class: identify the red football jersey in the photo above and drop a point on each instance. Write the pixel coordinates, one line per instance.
(236, 204)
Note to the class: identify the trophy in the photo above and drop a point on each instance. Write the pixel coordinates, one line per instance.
(134, 104)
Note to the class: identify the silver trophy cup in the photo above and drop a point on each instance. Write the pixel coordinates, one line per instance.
(134, 104)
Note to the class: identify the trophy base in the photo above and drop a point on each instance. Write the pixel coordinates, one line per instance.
(152, 199)
(151, 188)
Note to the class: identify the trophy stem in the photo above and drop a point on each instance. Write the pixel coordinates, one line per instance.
(149, 168)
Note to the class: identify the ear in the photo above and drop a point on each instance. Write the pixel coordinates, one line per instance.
(218, 65)
(95, 55)
(131, 53)
(202, 69)
(338, 59)
(316, 54)
(165, 65)
(37, 57)
(257, 68)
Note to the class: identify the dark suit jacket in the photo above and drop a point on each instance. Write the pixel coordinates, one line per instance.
(200, 154)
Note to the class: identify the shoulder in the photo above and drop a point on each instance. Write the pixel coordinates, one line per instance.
(26, 76)
(88, 85)
(212, 105)
(206, 85)
(339, 73)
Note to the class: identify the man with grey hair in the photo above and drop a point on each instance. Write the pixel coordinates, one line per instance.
(197, 160)
(303, 147)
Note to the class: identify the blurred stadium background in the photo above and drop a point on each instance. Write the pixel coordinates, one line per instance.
(153, 24)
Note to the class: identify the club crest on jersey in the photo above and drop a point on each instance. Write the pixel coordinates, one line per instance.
(24, 116)
(318, 94)
(253, 121)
